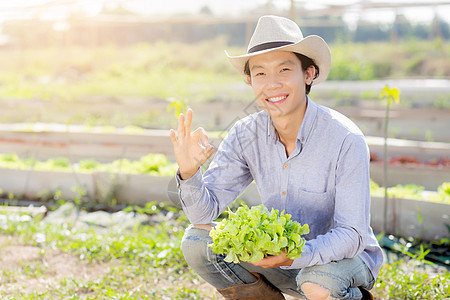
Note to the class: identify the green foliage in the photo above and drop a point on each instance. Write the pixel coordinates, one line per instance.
(153, 163)
(12, 161)
(156, 164)
(145, 262)
(160, 70)
(378, 60)
(407, 191)
(253, 233)
(155, 244)
(346, 67)
(164, 70)
(406, 279)
(413, 191)
(443, 194)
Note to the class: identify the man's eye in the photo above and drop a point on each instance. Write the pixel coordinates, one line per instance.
(259, 74)
(285, 69)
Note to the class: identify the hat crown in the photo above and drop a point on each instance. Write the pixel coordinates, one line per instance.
(274, 29)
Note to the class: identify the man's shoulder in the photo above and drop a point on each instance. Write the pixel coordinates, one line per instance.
(337, 121)
(256, 121)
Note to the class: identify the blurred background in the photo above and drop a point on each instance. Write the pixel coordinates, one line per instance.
(104, 80)
(121, 63)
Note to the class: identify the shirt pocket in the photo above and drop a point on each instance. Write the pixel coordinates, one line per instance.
(314, 209)
(315, 177)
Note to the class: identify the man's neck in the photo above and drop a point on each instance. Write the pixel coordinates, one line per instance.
(288, 126)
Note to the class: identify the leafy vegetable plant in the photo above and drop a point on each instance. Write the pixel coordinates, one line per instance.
(253, 233)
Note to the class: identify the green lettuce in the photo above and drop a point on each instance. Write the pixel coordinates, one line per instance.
(253, 233)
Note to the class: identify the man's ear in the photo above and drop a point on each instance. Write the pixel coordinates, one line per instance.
(249, 80)
(310, 73)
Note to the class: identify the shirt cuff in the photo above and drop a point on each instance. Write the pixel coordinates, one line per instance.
(301, 262)
(191, 184)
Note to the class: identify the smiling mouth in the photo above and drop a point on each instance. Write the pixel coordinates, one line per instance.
(276, 100)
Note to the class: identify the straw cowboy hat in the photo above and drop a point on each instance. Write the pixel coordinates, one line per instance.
(278, 33)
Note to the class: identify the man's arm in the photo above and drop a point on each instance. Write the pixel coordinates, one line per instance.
(347, 238)
(205, 196)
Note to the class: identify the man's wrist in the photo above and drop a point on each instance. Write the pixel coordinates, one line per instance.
(186, 175)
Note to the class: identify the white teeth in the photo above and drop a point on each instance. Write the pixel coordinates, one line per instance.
(275, 99)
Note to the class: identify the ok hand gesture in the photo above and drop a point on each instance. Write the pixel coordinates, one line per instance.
(192, 149)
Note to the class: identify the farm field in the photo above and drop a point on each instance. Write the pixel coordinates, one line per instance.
(97, 120)
(134, 254)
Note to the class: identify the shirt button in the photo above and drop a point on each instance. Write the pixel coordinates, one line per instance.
(283, 193)
(285, 166)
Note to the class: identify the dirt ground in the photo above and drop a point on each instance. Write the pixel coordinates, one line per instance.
(51, 267)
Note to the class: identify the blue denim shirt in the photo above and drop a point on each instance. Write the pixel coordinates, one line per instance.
(324, 183)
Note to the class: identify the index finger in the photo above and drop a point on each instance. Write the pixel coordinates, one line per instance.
(188, 122)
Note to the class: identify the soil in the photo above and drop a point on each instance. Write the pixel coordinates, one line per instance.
(53, 266)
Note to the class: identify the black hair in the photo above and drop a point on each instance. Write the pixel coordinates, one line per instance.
(305, 61)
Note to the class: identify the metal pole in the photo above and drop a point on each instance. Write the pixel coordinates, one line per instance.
(292, 11)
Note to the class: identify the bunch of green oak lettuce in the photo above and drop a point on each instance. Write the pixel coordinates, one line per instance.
(251, 234)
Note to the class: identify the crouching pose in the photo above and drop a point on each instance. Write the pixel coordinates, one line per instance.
(306, 159)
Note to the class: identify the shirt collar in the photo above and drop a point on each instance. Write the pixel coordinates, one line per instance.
(308, 121)
(271, 129)
(305, 128)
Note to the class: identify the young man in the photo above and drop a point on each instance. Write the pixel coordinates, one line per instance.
(305, 159)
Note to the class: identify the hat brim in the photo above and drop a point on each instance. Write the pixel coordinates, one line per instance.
(312, 46)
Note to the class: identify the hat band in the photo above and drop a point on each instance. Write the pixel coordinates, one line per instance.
(268, 45)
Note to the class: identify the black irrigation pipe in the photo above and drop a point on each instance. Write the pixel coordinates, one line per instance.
(439, 254)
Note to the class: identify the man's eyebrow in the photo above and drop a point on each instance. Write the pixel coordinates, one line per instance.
(285, 62)
(255, 67)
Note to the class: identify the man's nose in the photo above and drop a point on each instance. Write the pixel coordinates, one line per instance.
(273, 82)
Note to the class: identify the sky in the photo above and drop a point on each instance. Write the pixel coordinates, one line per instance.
(21, 8)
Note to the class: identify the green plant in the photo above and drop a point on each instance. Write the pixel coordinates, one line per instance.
(407, 279)
(413, 191)
(177, 107)
(443, 194)
(250, 234)
(408, 191)
(153, 163)
(389, 95)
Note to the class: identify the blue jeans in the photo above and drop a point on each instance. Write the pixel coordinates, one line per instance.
(341, 278)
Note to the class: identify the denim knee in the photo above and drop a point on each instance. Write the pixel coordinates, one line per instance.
(210, 266)
(194, 246)
(341, 278)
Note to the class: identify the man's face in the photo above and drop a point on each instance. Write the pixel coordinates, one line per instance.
(278, 82)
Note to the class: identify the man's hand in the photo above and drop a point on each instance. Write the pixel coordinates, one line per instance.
(274, 261)
(192, 149)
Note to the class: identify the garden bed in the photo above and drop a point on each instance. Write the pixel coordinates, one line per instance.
(105, 147)
(423, 219)
(428, 176)
(411, 218)
(97, 186)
